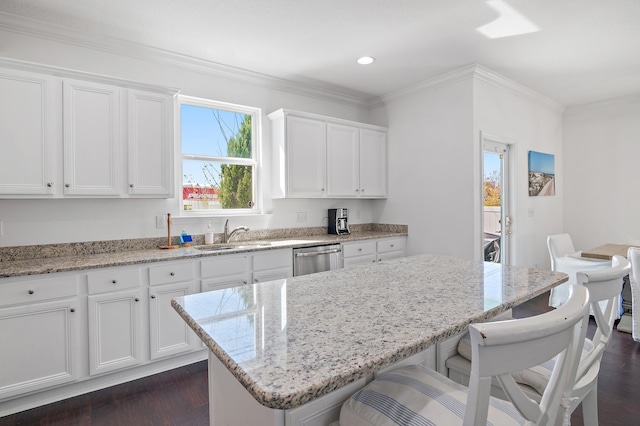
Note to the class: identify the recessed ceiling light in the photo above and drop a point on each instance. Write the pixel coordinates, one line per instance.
(366, 60)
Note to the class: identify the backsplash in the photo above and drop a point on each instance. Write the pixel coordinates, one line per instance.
(8, 254)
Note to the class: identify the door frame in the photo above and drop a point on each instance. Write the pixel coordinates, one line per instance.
(507, 244)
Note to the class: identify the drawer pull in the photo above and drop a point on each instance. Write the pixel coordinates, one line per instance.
(31, 291)
(244, 281)
(72, 310)
(114, 281)
(172, 273)
(136, 299)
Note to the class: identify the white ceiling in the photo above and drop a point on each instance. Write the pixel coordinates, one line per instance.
(584, 51)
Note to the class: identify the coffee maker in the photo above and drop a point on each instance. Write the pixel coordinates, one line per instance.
(338, 221)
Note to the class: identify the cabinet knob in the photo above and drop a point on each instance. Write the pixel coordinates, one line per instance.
(359, 249)
(31, 291)
(172, 273)
(136, 299)
(357, 190)
(373, 261)
(255, 280)
(362, 190)
(392, 245)
(67, 185)
(72, 310)
(49, 184)
(130, 185)
(244, 282)
(114, 281)
(322, 189)
(153, 296)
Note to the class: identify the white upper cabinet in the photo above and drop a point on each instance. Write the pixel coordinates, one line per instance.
(300, 157)
(91, 138)
(322, 157)
(29, 132)
(71, 134)
(150, 136)
(373, 163)
(343, 161)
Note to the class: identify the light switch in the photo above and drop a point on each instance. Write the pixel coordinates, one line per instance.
(301, 216)
(531, 212)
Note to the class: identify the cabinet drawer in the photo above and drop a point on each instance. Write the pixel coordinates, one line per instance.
(171, 273)
(359, 249)
(391, 244)
(273, 260)
(113, 280)
(28, 291)
(225, 265)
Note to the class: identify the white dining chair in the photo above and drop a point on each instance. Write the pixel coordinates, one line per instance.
(634, 280)
(565, 258)
(604, 287)
(418, 395)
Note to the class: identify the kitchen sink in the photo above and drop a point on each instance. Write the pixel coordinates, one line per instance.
(233, 247)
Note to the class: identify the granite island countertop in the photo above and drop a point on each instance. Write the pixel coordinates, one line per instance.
(106, 254)
(291, 341)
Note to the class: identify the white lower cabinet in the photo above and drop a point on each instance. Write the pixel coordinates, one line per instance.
(225, 271)
(39, 334)
(373, 251)
(169, 333)
(115, 319)
(272, 265)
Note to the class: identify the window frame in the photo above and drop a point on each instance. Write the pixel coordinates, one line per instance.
(255, 161)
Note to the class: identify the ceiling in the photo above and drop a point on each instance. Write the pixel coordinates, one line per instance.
(580, 51)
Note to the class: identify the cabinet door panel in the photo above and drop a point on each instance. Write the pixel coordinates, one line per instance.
(306, 157)
(149, 142)
(28, 131)
(114, 331)
(170, 335)
(91, 138)
(342, 161)
(38, 346)
(373, 164)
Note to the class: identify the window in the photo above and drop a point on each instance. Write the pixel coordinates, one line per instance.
(219, 158)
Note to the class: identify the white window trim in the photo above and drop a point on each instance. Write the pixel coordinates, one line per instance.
(256, 134)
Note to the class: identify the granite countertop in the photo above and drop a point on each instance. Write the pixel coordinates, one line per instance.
(106, 254)
(291, 341)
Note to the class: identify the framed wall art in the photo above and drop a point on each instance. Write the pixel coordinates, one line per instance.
(542, 175)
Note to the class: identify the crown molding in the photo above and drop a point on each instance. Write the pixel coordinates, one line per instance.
(57, 33)
(491, 77)
(474, 71)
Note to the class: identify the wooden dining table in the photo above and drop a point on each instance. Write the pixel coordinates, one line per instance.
(607, 251)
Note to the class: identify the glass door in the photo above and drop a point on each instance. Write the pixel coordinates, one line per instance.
(496, 217)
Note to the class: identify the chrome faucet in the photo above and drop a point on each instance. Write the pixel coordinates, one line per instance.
(226, 237)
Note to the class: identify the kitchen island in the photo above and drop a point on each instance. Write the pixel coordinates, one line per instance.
(279, 347)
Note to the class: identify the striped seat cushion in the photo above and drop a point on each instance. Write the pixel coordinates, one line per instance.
(416, 395)
(536, 377)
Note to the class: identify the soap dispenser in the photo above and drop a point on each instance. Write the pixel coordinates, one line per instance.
(208, 234)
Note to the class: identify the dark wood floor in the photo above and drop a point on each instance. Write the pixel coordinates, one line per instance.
(180, 396)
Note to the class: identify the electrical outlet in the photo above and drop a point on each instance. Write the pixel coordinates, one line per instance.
(1, 229)
(160, 221)
(357, 213)
(301, 216)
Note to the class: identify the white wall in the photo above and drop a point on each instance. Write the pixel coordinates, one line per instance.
(531, 123)
(601, 161)
(27, 222)
(431, 168)
(435, 163)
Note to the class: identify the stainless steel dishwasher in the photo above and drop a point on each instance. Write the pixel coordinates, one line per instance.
(309, 260)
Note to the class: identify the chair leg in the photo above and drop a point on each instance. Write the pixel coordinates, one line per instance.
(590, 407)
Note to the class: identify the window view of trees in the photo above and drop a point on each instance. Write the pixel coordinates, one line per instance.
(218, 158)
(492, 189)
